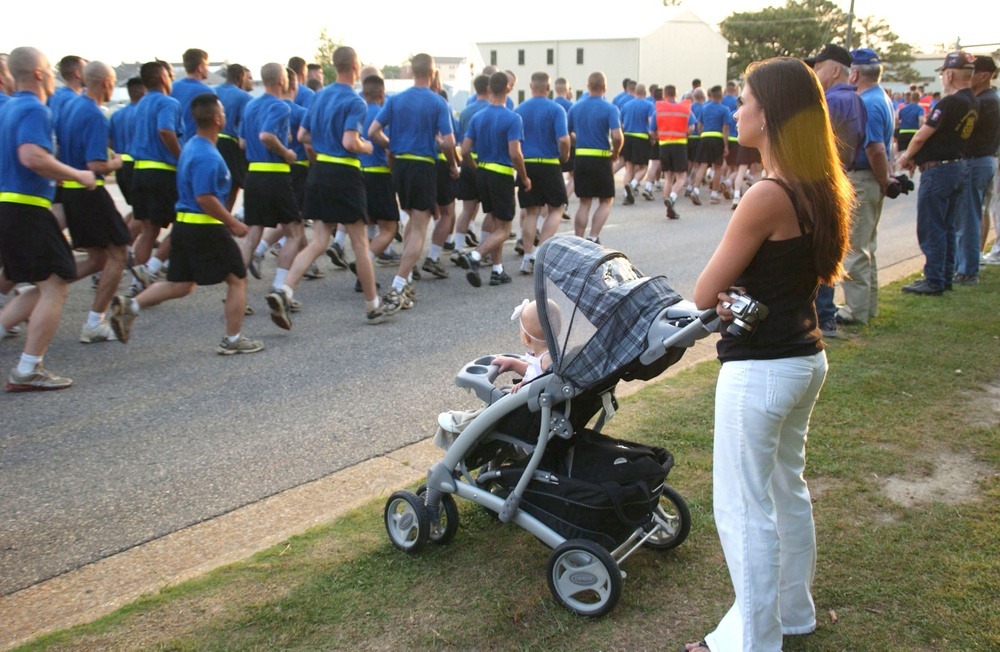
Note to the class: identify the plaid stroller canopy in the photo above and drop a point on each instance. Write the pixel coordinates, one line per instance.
(595, 308)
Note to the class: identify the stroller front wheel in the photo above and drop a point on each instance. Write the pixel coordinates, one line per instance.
(448, 517)
(407, 521)
(584, 578)
(672, 517)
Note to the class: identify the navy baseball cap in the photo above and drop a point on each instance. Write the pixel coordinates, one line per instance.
(958, 61)
(985, 64)
(830, 51)
(864, 56)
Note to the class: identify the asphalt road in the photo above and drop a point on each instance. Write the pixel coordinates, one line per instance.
(163, 433)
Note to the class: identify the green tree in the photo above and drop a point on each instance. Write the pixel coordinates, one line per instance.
(324, 54)
(896, 56)
(391, 72)
(798, 29)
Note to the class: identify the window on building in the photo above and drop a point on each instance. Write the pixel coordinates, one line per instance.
(550, 56)
(579, 94)
(520, 96)
(520, 57)
(493, 57)
(579, 56)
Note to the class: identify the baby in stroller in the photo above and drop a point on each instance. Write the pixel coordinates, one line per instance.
(535, 458)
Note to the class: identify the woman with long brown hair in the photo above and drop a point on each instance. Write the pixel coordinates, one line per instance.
(788, 233)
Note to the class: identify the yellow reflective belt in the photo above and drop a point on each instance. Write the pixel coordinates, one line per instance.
(711, 134)
(258, 166)
(74, 184)
(442, 157)
(196, 218)
(127, 157)
(908, 131)
(604, 153)
(496, 167)
(674, 141)
(548, 161)
(304, 163)
(326, 158)
(377, 169)
(637, 135)
(733, 139)
(154, 165)
(27, 200)
(414, 157)
(227, 136)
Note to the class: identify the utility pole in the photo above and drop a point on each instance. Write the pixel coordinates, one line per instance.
(850, 20)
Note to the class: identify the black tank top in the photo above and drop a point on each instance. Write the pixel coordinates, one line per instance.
(782, 276)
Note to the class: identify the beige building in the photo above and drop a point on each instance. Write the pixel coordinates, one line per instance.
(678, 48)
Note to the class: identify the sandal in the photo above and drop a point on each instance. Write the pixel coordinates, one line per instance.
(698, 647)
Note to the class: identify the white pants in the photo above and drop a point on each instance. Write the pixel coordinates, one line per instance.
(762, 507)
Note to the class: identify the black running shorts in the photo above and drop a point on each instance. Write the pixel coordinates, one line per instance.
(593, 177)
(466, 190)
(635, 150)
(748, 155)
(269, 199)
(710, 150)
(445, 184)
(154, 195)
(733, 155)
(236, 160)
(123, 177)
(381, 198)
(93, 219)
(496, 193)
(547, 187)
(415, 183)
(32, 246)
(204, 254)
(674, 157)
(335, 194)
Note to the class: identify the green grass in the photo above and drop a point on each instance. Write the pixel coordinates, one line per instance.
(902, 394)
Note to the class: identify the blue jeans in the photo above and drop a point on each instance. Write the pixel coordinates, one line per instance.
(969, 227)
(941, 199)
(825, 308)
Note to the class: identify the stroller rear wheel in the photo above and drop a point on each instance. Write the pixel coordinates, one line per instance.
(407, 521)
(584, 578)
(448, 517)
(673, 519)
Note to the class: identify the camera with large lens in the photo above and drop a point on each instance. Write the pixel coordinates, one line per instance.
(899, 184)
(747, 313)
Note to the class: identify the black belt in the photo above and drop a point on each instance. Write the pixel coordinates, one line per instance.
(933, 164)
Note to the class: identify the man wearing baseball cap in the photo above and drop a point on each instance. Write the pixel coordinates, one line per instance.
(982, 155)
(938, 149)
(870, 176)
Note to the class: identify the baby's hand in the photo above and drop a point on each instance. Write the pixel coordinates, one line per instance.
(504, 363)
(516, 387)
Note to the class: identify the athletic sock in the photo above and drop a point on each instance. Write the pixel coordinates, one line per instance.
(649, 187)
(232, 338)
(398, 283)
(339, 238)
(673, 197)
(373, 305)
(281, 241)
(409, 278)
(434, 252)
(475, 256)
(135, 306)
(497, 269)
(289, 292)
(94, 319)
(154, 266)
(28, 363)
(261, 249)
(450, 239)
(279, 278)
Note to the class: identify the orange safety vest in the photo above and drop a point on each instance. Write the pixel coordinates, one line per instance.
(672, 121)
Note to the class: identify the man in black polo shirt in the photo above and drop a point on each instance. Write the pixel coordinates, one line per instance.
(938, 149)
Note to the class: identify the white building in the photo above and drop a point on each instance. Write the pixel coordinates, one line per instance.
(672, 47)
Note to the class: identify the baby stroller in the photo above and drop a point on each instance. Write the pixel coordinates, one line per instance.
(529, 456)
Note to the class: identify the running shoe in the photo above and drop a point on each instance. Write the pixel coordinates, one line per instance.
(499, 278)
(122, 316)
(256, 263)
(243, 344)
(38, 380)
(336, 254)
(519, 247)
(470, 239)
(434, 267)
(100, 333)
(313, 272)
(277, 301)
(395, 300)
(410, 292)
(629, 195)
(727, 190)
(671, 211)
(388, 258)
(527, 266)
(695, 197)
(466, 262)
(647, 194)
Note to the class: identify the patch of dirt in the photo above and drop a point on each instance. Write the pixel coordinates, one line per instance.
(983, 410)
(954, 480)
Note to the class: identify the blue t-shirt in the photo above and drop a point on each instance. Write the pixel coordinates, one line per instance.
(713, 116)
(378, 156)
(470, 110)
(184, 91)
(592, 119)
(544, 124)
(233, 100)
(155, 111)
(729, 101)
(58, 100)
(121, 128)
(909, 116)
(4, 98)
(82, 133)
(295, 117)
(880, 124)
(472, 98)
(264, 114)
(491, 130)
(733, 131)
(637, 117)
(334, 110)
(847, 117)
(304, 96)
(622, 99)
(564, 103)
(24, 120)
(417, 116)
(200, 171)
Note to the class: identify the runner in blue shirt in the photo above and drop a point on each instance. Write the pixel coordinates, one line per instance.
(637, 124)
(233, 99)
(121, 134)
(304, 94)
(94, 222)
(6, 81)
(32, 246)
(911, 118)
(564, 98)
(466, 190)
(591, 120)
(623, 98)
(156, 146)
(204, 252)
(496, 134)
(546, 145)
(335, 189)
(713, 126)
(184, 90)
(71, 71)
(417, 117)
(694, 136)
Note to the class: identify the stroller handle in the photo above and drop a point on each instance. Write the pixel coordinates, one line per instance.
(678, 325)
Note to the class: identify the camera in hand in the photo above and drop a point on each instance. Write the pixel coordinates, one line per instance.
(899, 184)
(747, 313)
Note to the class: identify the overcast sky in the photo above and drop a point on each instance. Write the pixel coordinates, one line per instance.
(387, 31)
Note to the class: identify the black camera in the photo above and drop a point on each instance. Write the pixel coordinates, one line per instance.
(747, 313)
(899, 184)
